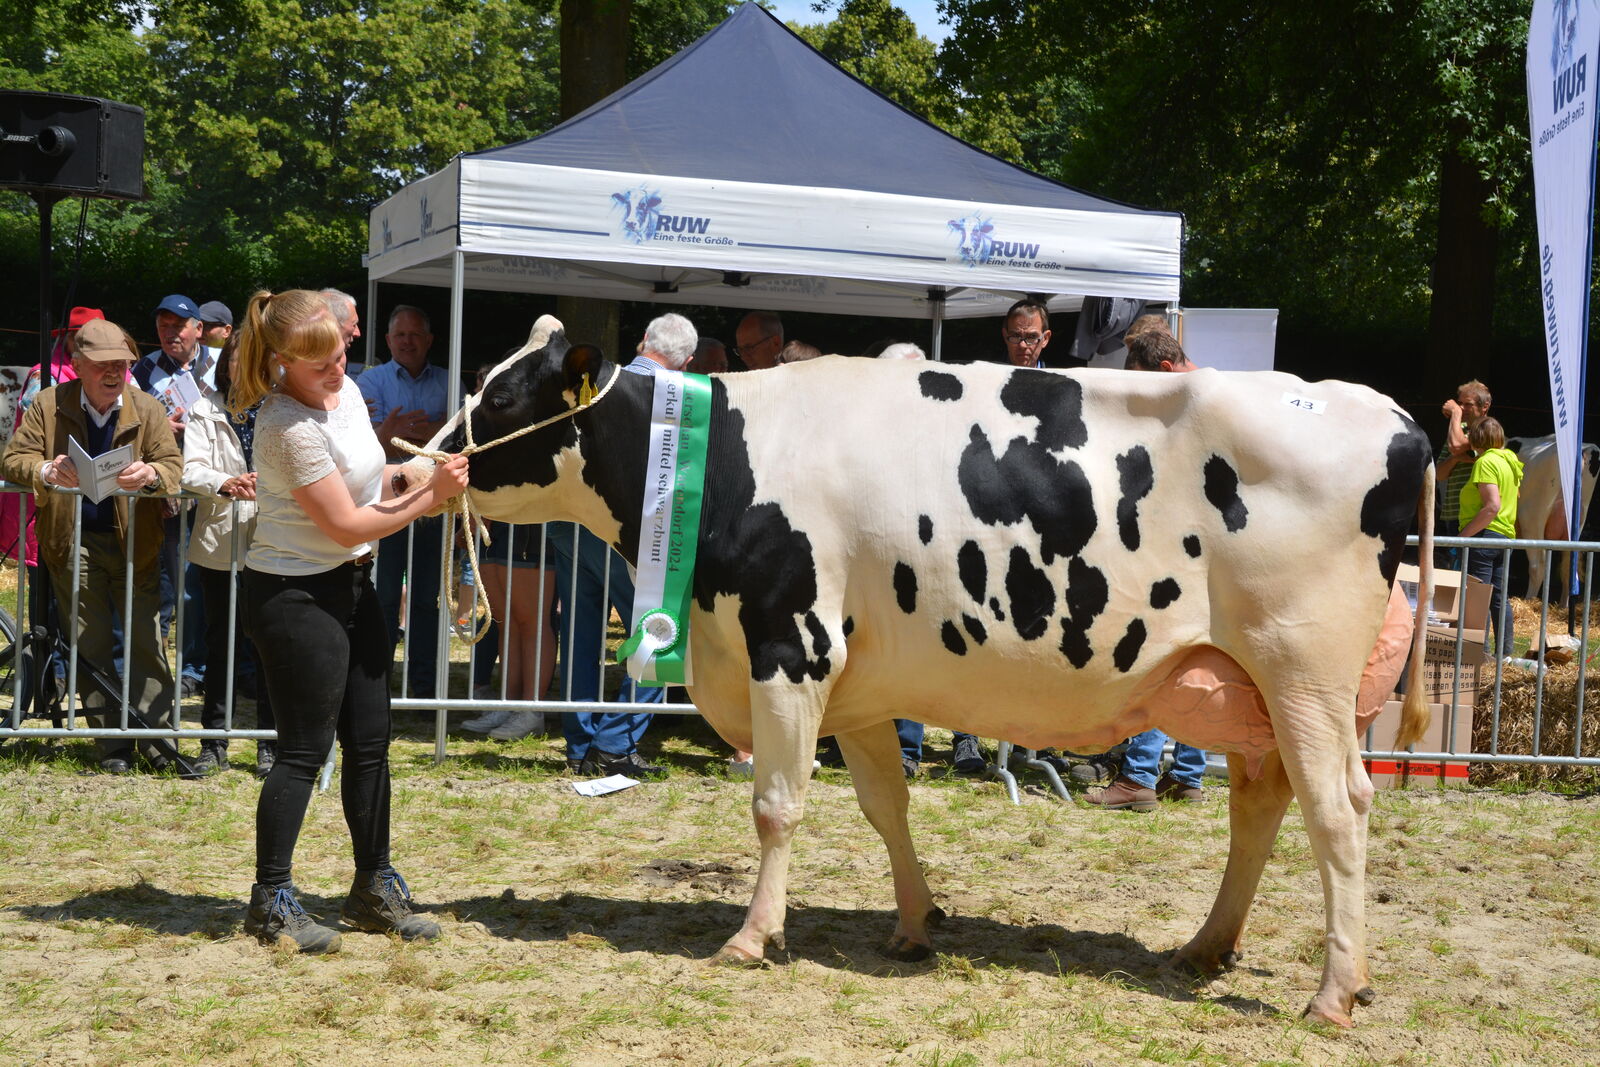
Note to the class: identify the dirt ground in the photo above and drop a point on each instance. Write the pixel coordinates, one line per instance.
(576, 929)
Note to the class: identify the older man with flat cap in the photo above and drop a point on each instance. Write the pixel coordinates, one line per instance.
(102, 411)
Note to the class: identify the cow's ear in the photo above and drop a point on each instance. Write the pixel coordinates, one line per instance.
(581, 370)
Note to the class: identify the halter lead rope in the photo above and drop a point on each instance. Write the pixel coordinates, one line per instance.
(463, 503)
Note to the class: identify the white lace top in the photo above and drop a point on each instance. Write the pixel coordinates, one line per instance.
(295, 446)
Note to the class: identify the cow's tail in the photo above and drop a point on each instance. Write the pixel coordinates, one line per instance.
(1414, 711)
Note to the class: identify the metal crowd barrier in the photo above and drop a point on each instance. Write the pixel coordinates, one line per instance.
(442, 702)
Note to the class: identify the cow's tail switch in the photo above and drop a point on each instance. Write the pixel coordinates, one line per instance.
(1414, 712)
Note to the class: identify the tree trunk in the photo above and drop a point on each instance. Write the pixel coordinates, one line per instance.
(1461, 316)
(594, 59)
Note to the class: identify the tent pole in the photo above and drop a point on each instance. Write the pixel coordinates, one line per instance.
(372, 322)
(936, 298)
(458, 262)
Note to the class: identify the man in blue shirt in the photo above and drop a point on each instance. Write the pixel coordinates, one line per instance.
(178, 368)
(407, 396)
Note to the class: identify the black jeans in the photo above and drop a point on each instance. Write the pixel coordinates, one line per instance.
(214, 586)
(326, 655)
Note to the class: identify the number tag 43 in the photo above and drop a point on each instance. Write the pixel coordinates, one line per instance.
(1306, 404)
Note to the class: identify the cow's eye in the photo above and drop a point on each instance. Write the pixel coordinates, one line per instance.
(500, 401)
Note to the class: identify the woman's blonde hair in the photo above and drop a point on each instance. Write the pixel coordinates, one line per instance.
(291, 325)
(1486, 433)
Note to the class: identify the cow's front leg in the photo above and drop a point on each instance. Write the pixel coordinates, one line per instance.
(873, 756)
(783, 721)
(1255, 810)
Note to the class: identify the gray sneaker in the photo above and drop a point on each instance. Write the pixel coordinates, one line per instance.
(213, 758)
(276, 916)
(487, 721)
(380, 902)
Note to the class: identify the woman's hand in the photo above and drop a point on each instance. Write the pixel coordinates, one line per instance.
(449, 479)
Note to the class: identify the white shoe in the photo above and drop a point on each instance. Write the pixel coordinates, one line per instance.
(518, 726)
(486, 722)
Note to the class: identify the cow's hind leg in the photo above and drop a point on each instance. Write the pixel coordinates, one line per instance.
(1255, 810)
(783, 722)
(1323, 760)
(873, 756)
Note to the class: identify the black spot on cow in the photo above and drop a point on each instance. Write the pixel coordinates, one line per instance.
(753, 552)
(1135, 479)
(1127, 650)
(1164, 592)
(925, 529)
(1593, 459)
(849, 625)
(974, 629)
(1222, 489)
(820, 642)
(952, 638)
(1056, 401)
(940, 385)
(1087, 594)
(1390, 506)
(1027, 482)
(1033, 598)
(974, 571)
(1191, 545)
(905, 588)
(994, 606)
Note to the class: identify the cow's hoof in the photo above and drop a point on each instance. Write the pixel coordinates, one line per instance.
(731, 955)
(1317, 1013)
(1366, 995)
(907, 951)
(1204, 965)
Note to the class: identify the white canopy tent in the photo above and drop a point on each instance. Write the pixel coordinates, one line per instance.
(749, 171)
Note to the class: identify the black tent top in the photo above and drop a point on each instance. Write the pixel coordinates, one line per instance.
(764, 106)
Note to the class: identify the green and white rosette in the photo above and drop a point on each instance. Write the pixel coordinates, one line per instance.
(657, 652)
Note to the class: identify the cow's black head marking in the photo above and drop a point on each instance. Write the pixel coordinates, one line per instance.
(940, 385)
(1222, 490)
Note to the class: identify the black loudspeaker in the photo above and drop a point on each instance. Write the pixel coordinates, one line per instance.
(73, 145)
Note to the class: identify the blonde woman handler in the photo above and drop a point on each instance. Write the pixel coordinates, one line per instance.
(323, 497)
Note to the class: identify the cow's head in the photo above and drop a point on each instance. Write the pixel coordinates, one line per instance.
(538, 476)
(974, 238)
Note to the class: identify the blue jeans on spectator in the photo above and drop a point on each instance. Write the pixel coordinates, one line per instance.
(582, 621)
(910, 733)
(1142, 762)
(1487, 564)
(421, 586)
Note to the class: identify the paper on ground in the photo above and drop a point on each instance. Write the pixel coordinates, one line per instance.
(599, 787)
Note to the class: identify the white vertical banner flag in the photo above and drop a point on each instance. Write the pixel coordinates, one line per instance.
(1563, 47)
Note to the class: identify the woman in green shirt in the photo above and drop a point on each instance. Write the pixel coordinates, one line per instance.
(1489, 512)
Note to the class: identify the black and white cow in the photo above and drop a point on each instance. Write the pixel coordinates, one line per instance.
(1541, 505)
(1052, 558)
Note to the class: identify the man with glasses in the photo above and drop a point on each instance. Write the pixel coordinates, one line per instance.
(758, 340)
(1026, 333)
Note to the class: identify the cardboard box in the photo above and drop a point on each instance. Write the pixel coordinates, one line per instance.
(1392, 774)
(1446, 608)
(1440, 679)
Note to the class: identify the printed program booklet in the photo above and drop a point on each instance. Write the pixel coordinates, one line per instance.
(97, 475)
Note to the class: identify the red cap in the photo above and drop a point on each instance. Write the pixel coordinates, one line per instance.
(77, 318)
